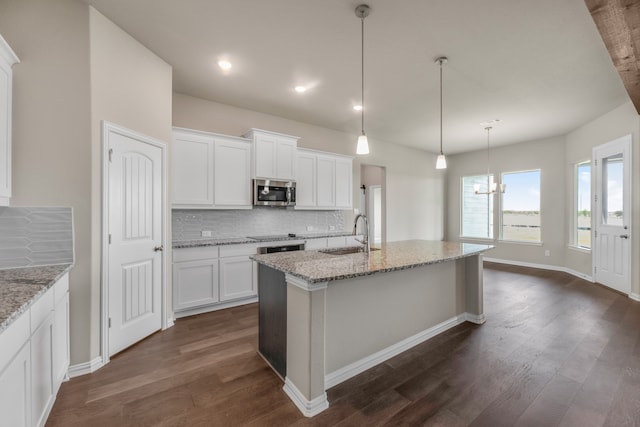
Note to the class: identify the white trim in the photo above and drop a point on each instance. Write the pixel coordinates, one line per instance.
(213, 307)
(85, 367)
(303, 284)
(478, 319)
(336, 377)
(170, 323)
(586, 251)
(634, 296)
(309, 408)
(542, 267)
(108, 127)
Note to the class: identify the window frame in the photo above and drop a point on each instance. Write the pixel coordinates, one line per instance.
(501, 210)
(573, 242)
(490, 179)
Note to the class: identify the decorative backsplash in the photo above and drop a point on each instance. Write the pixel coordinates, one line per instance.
(32, 236)
(189, 224)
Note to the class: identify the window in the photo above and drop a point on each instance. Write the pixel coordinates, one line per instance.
(521, 207)
(582, 218)
(477, 209)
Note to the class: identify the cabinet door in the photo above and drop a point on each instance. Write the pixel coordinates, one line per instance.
(195, 284)
(265, 156)
(285, 160)
(306, 181)
(15, 389)
(237, 278)
(192, 170)
(42, 371)
(344, 179)
(61, 341)
(325, 181)
(232, 163)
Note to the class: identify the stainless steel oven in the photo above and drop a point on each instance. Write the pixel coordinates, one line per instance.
(269, 192)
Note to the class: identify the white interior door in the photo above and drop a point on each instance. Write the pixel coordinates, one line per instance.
(612, 249)
(135, 261)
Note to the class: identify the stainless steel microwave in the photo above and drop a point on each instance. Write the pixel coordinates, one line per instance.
(269, 192)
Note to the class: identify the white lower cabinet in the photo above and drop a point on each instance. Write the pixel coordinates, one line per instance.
(210, 278)
(34, 358)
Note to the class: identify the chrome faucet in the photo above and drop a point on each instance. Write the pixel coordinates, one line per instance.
(365, 241)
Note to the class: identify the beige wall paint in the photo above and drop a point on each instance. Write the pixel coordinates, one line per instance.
(621, 121)
(130, 87)
(414, 189)
(51, 130)
(546, 155)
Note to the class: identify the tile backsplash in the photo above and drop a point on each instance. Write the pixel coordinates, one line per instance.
(259, 221)
(32, 236)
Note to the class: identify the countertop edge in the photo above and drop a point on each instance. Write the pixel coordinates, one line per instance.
(197, 243)
(24, 307)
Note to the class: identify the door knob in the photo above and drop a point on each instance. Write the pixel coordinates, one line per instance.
(158, 248)
(624, 236)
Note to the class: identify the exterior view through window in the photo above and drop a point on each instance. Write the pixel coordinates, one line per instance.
(582, 237)
(521, 207)
(612, 213)
(477, 209)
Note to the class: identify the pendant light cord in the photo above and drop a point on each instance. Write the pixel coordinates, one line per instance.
(441, 153)
(362, 73)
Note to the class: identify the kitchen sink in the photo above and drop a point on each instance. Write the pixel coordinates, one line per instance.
(346, 251)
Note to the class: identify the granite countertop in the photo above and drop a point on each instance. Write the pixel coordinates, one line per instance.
(20, 287)
(178, 244)
(316, 266)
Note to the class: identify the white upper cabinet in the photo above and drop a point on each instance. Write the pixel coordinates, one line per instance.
(7, 59)
(210, 171)
(324, 180)
(274, 154)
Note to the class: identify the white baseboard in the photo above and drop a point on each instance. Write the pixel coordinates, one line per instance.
(85, 367)
(541, 266)
(478, 319)
(309, 408)
(214, 307)
(634, 296)
(336, 377)
(170, 322)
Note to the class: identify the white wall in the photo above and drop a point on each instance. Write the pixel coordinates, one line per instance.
(414, 189)
(546, 155)
(52, 130)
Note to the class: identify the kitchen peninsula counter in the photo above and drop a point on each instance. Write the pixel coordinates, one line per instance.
(326, 317)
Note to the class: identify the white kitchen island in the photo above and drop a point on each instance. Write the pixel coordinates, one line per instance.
(347, 313)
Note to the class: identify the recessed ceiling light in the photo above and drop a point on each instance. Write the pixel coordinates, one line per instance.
(224, 64)
(357, 107)
(300, 89)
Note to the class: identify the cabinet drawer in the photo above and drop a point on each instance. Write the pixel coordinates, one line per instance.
(238, 250)
(13, 338)
(61, 288)
(41, 309)
(195, 254)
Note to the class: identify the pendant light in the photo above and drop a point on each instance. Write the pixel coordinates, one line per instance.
(491, 189)
(441, 162)
(362, 12)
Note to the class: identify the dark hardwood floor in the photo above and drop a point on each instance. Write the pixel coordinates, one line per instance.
(555, 350)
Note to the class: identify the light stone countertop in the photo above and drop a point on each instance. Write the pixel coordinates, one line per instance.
(178, 244)
(21, 287)
(315, 266)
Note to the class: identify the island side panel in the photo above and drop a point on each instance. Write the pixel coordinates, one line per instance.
(272, 335)
(371, 313)
(474, 289)
(305, 340)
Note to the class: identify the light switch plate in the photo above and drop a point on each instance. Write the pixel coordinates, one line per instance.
(206, 233)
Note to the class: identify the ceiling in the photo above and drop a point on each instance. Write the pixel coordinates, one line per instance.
(539, 66)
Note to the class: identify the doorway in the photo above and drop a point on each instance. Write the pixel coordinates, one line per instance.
(134, 223)
(373, 200)
(612, 203)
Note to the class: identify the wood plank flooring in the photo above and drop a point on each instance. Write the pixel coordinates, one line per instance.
(555, 351)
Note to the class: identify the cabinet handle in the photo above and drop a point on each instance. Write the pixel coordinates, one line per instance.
(158, 248)
(624, 236)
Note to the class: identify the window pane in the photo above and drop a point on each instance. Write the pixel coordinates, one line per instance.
(583, 205)
(521, 206)
(477, 209)
(612, 204)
